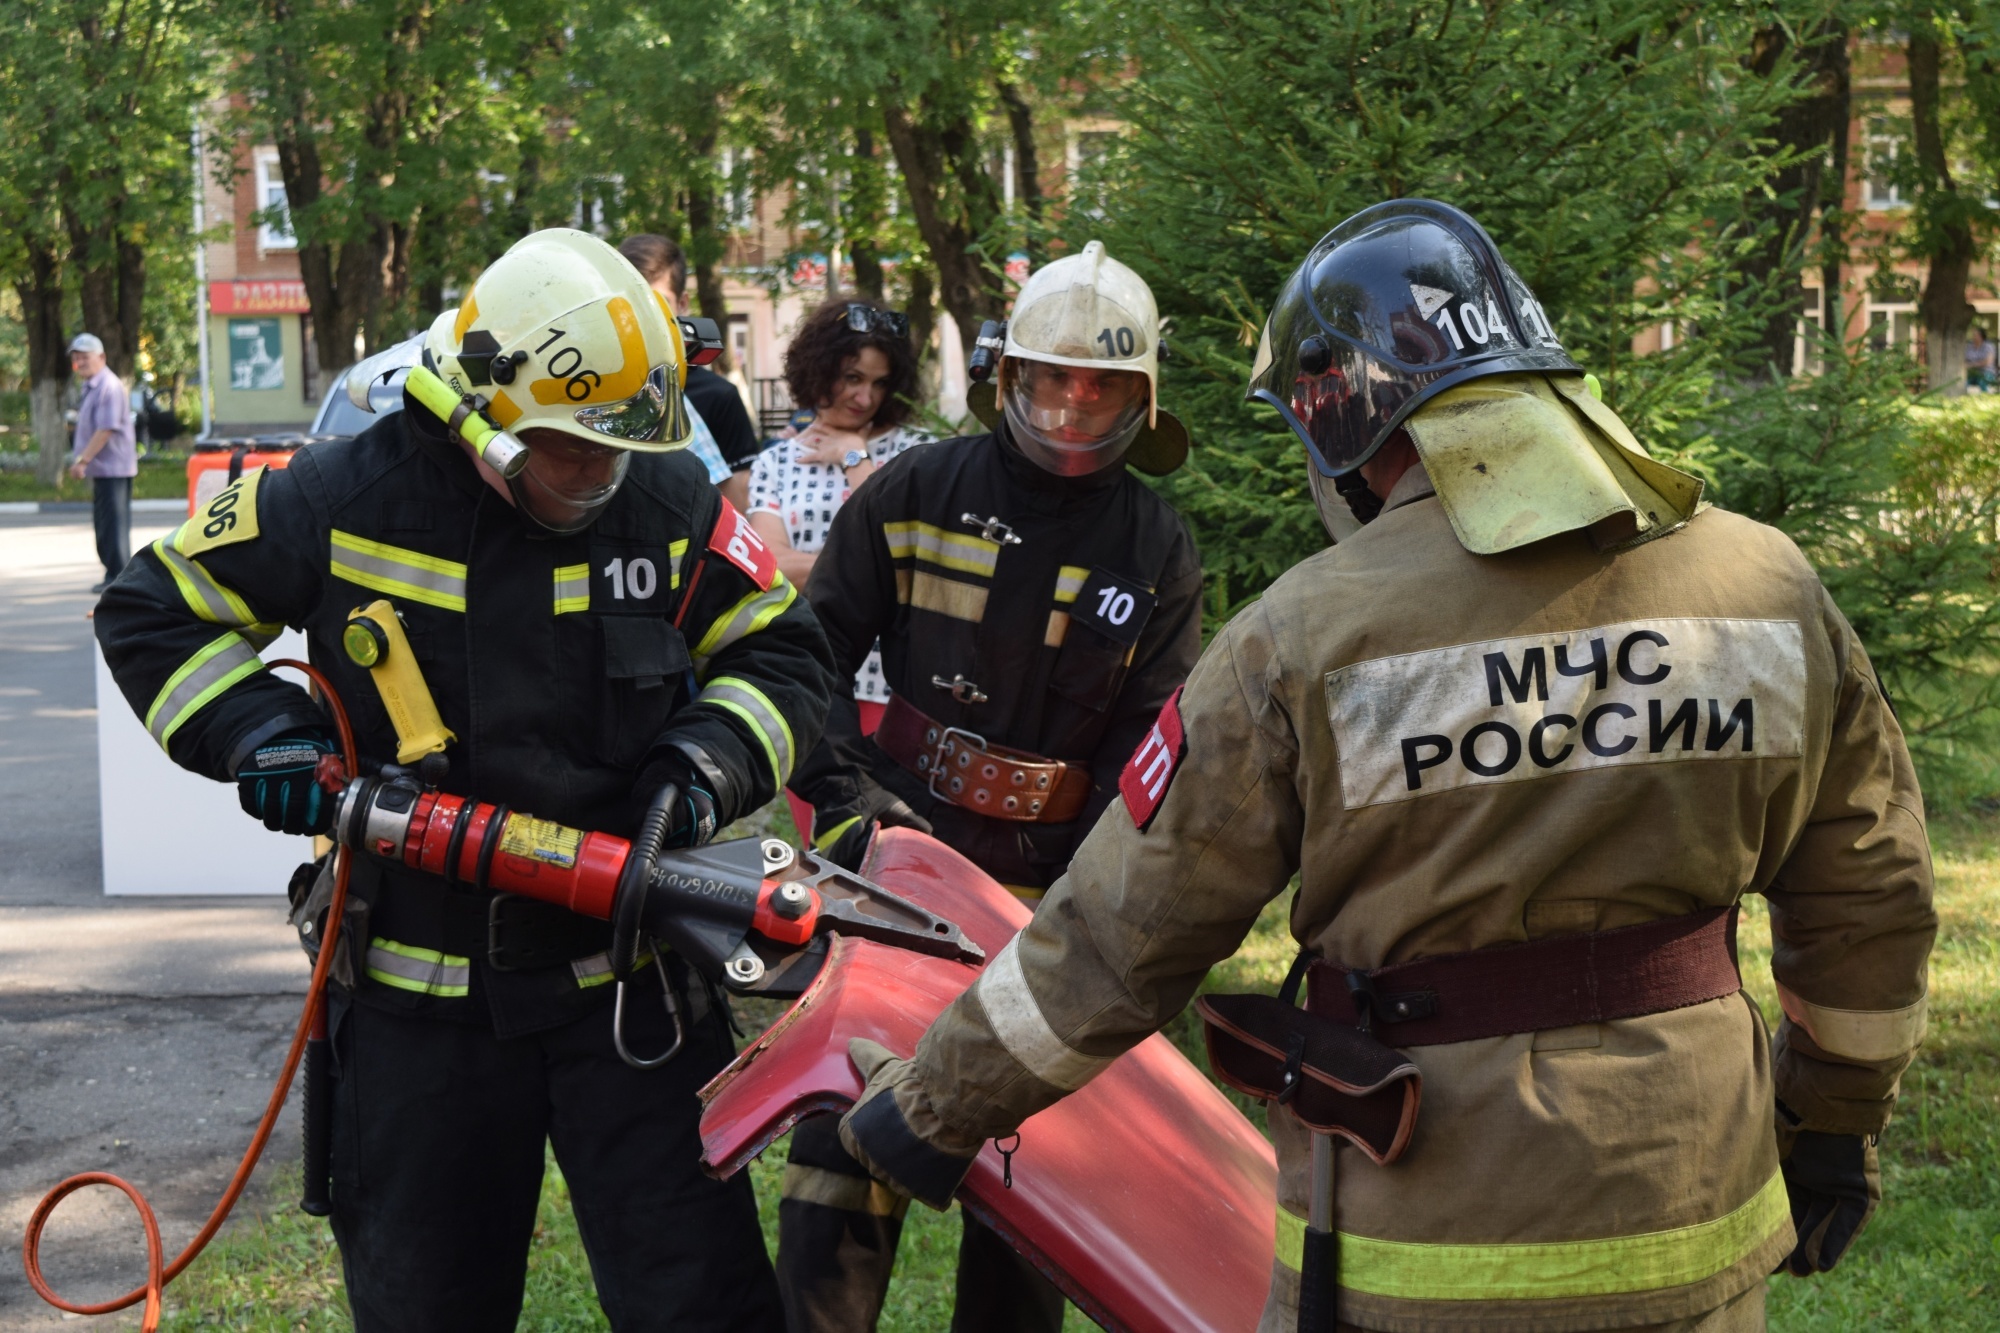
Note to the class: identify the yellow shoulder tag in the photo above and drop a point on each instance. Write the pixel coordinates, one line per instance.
(229, 518)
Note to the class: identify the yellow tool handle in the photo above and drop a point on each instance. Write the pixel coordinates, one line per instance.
(374, 639)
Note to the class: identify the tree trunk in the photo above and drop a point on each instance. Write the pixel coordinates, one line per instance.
(922, 312)
(41, 294)
(862, 220)
(1803, 128)
(1942, 307)
(932, 161)
(1021, 119)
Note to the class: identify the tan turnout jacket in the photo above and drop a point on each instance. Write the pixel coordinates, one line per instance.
(1452, 752)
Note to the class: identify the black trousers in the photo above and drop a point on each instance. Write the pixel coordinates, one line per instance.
(837, 1240)
(437, 1168)
(111, 515)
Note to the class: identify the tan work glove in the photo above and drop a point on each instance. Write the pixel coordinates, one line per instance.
(926, 1159)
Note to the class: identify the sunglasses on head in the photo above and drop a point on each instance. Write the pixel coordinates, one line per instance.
(864, 318)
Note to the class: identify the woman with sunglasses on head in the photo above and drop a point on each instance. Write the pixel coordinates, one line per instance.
(852, 365)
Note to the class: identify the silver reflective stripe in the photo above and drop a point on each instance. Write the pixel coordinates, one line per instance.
(219, 664)
(596, 969)
(572, 588)
(757, 711)
(209, 599)
(830, 1189)
(1069, 582)
(1002, 991)
(1859, 1034)
(424, 971)
(746, 617)
(400, 573)
(953, 550)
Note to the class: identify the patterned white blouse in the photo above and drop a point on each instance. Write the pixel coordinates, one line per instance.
(806, 496)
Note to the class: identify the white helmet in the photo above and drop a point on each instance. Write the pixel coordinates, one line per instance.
(1087, 311)
(562, 334)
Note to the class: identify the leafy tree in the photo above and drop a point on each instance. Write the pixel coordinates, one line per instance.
(1609, 146)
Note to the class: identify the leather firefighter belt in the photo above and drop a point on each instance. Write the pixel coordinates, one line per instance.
(1571, 979)
(991, 780)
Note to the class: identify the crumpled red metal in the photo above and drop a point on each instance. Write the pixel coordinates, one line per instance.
(1145, 1196)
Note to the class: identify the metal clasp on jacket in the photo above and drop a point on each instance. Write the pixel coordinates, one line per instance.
(940, 741)
(992, 529)
(1373, 1006)
(963, 690)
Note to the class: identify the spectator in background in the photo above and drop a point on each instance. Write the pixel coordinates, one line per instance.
(105, 452)
(852, 361)
(1979, 359)
(723, 436)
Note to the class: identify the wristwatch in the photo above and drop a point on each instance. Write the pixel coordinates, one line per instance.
(853, 458)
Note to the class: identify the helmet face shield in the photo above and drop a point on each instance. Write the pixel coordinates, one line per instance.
(656, 413)
(1395, 304)
(1073, 420)
(568, 481)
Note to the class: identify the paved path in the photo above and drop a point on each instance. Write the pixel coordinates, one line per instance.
(139, 1036)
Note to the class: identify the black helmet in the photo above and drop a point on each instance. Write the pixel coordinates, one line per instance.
(1399, 302)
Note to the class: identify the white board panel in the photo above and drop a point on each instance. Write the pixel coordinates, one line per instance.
(169, 831)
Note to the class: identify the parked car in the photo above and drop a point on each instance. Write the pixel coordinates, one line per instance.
(338, 414)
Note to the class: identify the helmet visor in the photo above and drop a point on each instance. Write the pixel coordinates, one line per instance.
(568, 481)
(1074, 420)
(655, 414)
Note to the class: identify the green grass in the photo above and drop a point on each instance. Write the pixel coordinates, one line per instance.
(158, 479)
(1930, 1259)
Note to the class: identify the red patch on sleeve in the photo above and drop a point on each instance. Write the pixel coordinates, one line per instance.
(737, 542)
(1151, 769)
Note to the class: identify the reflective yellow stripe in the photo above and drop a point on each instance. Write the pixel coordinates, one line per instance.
(425, 971)
(826, 840)
(391, 569)
(953, 550)
(746, 617)
(675, 550)
(1650, 1262)
(1069, 582)
(1025, 893)
(760, 715)
(211, 600)
(220, 664)
(948, 597)
(572, 588)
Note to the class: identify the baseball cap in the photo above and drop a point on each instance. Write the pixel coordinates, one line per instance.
(87, 342)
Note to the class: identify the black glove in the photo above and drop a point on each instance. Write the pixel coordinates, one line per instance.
(1834, 1187)
(848, 848)
(276, 783)
(696, 813)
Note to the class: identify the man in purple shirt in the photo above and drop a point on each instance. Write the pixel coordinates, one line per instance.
(105, 452)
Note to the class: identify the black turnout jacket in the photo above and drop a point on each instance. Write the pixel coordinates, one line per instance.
(1073, 604)
(561, 663)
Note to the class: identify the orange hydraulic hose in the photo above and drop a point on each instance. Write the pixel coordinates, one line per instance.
(157, 1277)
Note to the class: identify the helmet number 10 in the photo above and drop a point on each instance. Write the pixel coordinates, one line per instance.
(1119, 343)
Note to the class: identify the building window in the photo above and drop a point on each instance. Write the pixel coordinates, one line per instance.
(1892, 326)
(274, 230)
(1880, 189)
(739, 200)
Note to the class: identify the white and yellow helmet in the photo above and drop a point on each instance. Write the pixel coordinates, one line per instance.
(1088, 310)
(562, 333)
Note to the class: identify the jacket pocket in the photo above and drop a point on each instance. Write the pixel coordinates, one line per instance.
(645, 662)
(1089, 668)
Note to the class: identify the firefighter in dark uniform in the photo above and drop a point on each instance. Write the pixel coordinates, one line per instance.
(594, 627)
(1036, 605)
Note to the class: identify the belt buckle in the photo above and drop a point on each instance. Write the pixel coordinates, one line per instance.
(940, 745)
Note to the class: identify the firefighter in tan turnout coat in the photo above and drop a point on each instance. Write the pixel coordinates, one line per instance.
(1544, 703)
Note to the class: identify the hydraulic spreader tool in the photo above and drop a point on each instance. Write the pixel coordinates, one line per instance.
(751, 915)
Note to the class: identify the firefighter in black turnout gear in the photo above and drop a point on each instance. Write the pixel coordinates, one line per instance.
(594, 626)
(1036, 606)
